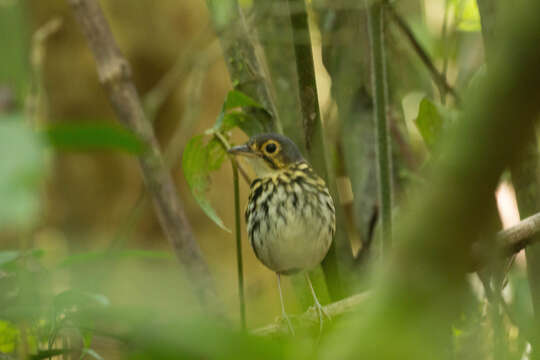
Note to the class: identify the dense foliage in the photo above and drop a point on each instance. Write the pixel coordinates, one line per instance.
(419, 268)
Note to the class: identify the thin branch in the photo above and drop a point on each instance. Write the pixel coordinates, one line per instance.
(311, 317)
(173, 150)
(238, 234)
(375, 18)
(36, 104)
(439, 78)
(115, 75)
(227, 146)
(519, 236)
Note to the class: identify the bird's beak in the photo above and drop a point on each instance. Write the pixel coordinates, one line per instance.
(243, 150)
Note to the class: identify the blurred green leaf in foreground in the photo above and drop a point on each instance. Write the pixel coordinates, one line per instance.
(22, 169)
(92, 136)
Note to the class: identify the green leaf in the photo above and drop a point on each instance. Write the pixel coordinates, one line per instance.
(237, 99)
(521, 306)
(93, 136)
(22, 169)
(9, 336)
(88, 336)
(476, 80)
(223, 12)
(68, 299)
(8, 256)
(198, 161)
(92, 353)
(245, 122)
(469, 19)
(429, 122)
(228, 119)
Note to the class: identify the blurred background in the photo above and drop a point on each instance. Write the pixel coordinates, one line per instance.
(90, 200)
(85, 207)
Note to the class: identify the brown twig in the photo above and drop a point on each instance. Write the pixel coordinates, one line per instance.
(519, 236)
(439, 78)
(115, 75)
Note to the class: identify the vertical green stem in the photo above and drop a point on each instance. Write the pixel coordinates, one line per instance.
(340, 253)
(239, 261)
(384, 153)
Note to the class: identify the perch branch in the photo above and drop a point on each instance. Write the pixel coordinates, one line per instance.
(238, 235)
(510, 241)
(115, 75)
(311, 316)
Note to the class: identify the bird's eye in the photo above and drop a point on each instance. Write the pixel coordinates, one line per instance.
(270, 148)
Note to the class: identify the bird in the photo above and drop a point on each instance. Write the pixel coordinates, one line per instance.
(290, 213)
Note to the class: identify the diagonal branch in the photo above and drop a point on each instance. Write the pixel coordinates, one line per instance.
(115, 75)
(519, 236)
(439, 78)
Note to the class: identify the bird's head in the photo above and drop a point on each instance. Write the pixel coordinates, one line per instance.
(269, 153)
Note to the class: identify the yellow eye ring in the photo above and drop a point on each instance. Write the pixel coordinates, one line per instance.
(270, 147)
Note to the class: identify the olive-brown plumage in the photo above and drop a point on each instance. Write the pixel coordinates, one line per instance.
(290, 214)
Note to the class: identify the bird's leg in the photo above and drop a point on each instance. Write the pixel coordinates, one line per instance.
(283, 313)
(318, 306)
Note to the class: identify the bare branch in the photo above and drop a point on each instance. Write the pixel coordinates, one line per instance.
(115, 75)
(439, 78)
(311, 316)
(517, 237)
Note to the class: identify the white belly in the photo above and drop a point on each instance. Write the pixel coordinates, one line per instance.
(292, 235)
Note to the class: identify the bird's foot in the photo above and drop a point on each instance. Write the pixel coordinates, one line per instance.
(322, 314)
(286, 318)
